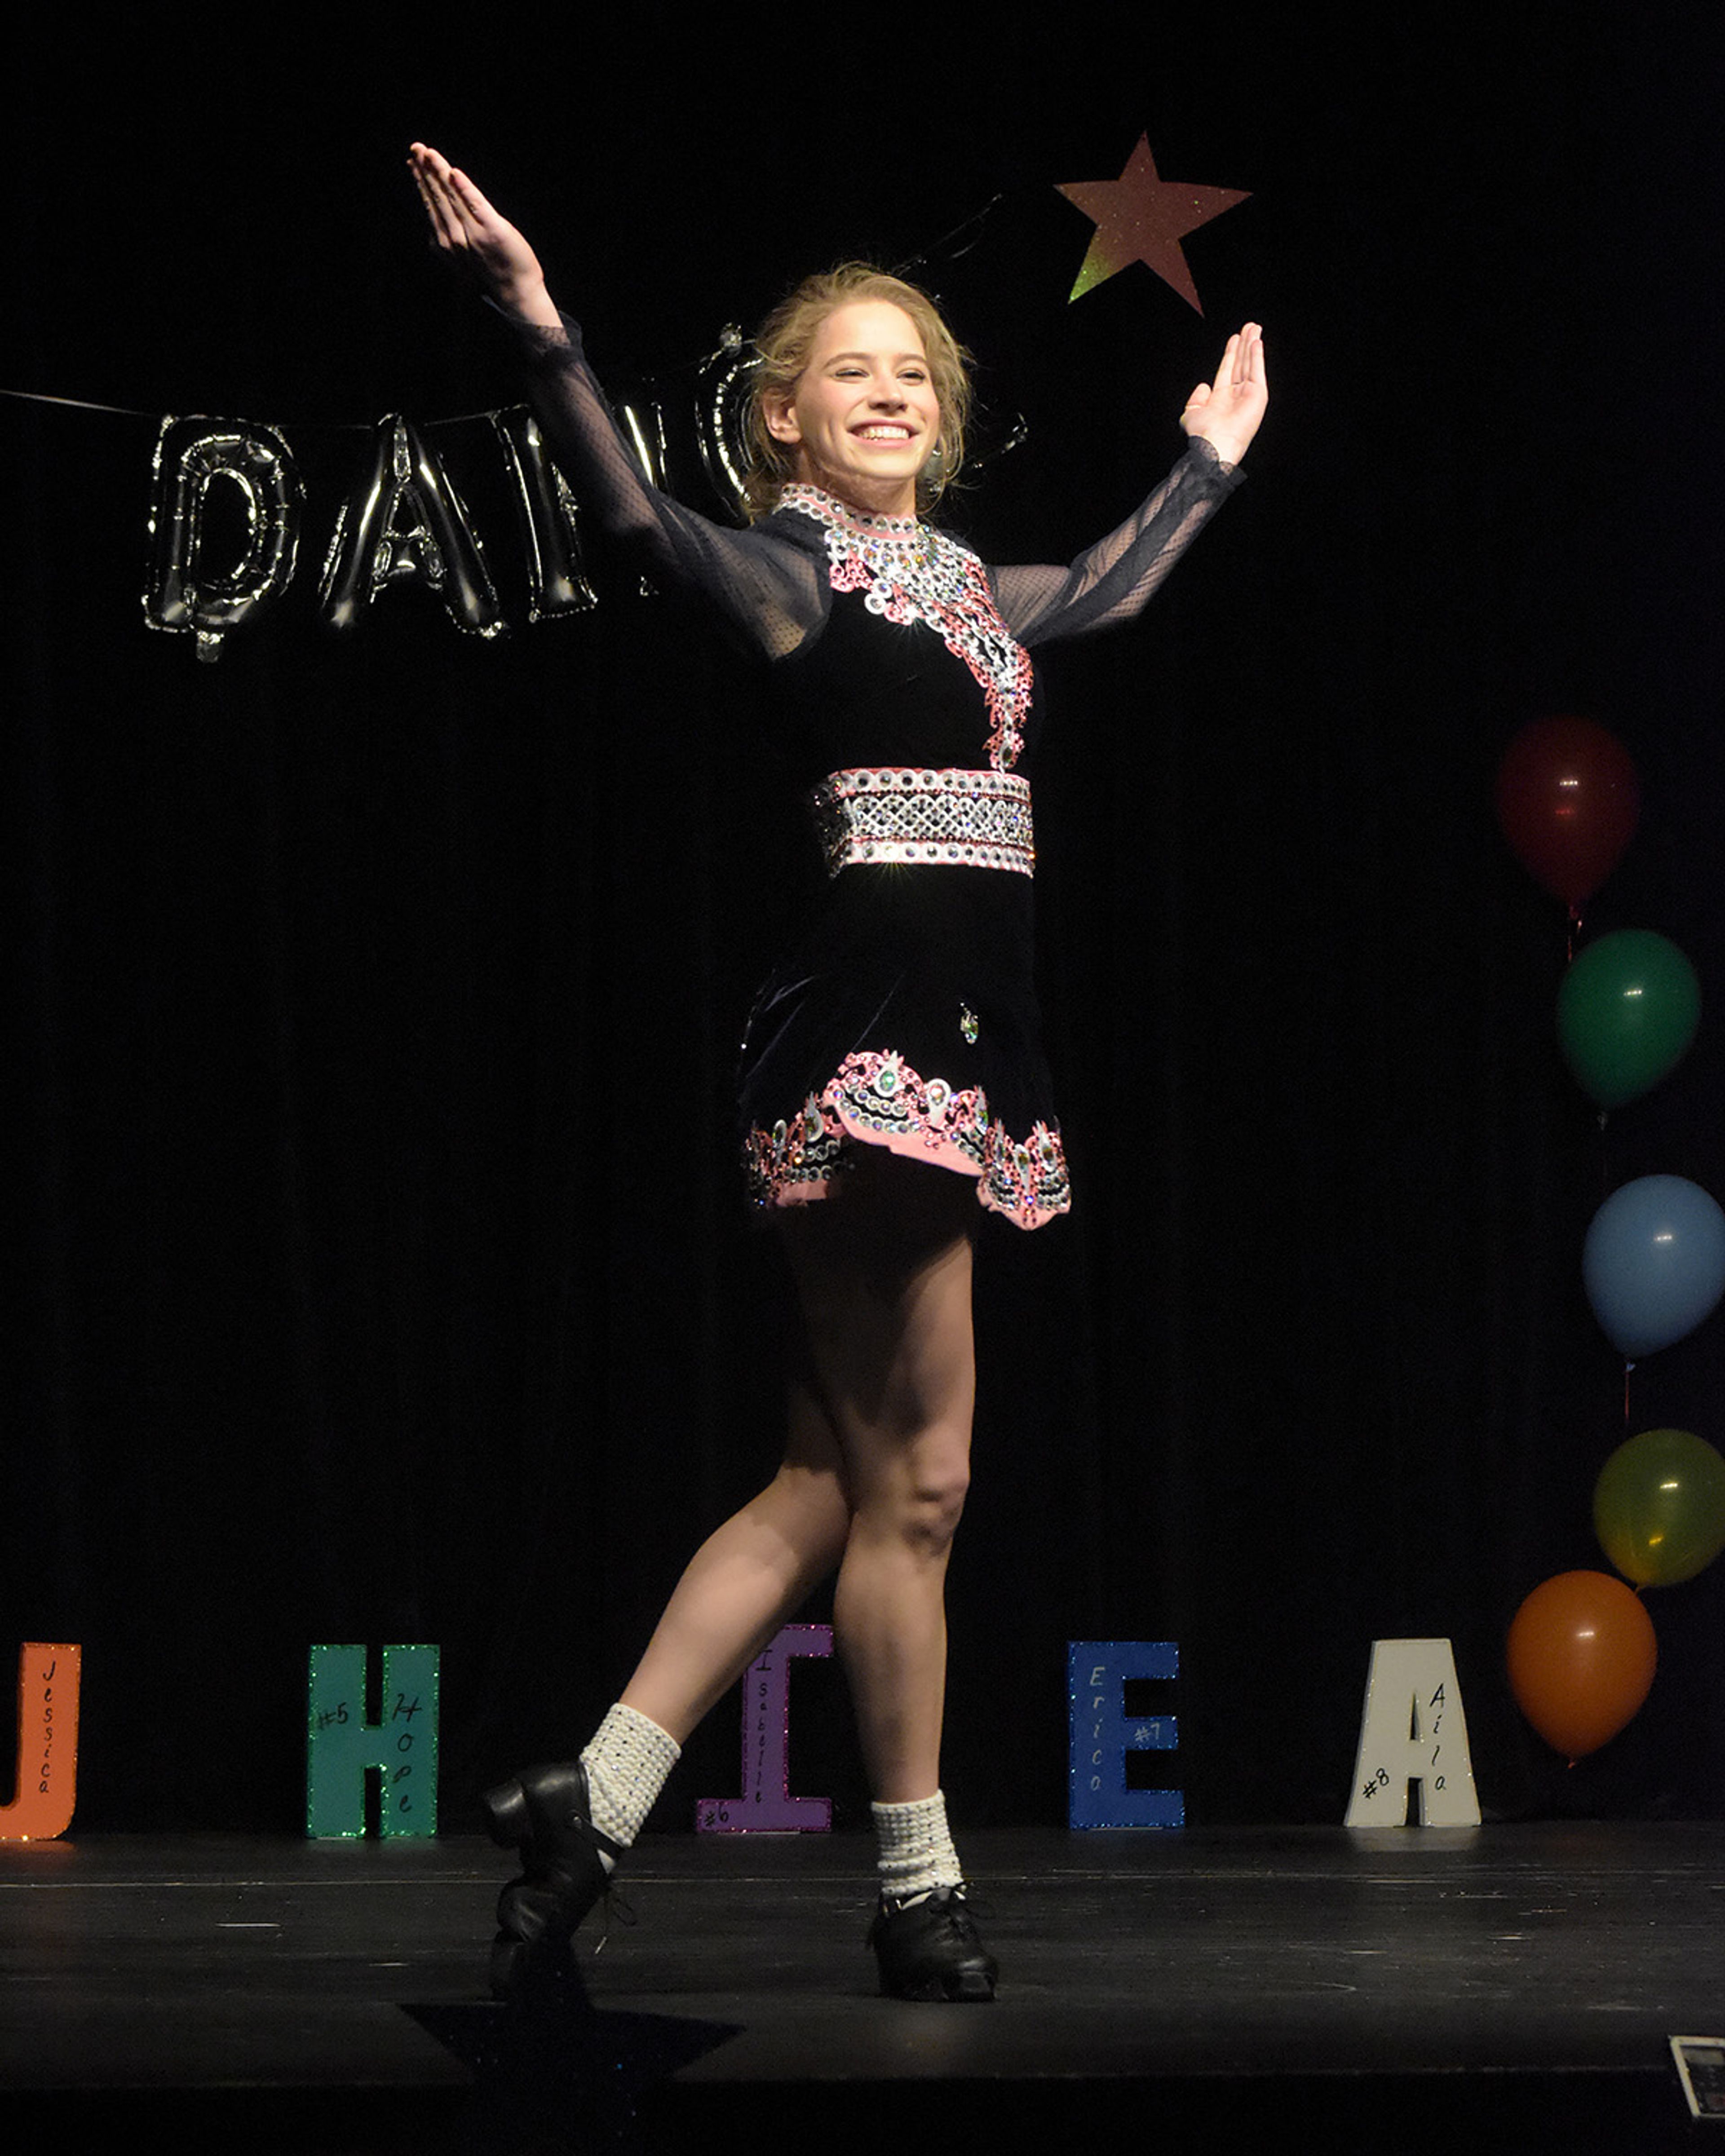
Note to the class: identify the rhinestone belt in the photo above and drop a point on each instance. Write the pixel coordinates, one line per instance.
(979, 820)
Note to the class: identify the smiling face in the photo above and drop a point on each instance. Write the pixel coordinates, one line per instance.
(863, 418)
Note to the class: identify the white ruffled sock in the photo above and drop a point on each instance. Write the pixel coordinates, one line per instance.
(627, 1764)
(917, 1852)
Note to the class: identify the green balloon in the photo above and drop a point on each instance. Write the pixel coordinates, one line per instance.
(1626, 1013)
(1659, 1507)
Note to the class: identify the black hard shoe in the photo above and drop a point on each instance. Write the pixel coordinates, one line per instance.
(544, 1814)
(928, 1948)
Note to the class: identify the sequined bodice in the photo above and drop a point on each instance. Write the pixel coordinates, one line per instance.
(907, 572)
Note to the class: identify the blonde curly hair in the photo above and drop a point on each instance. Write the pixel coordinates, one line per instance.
(782, 345)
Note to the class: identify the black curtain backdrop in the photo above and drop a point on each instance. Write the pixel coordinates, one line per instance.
(381, 1270)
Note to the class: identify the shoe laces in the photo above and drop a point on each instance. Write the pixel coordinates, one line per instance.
(612, 1902)
(958, 1908)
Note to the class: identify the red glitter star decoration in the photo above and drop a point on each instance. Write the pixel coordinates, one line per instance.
(1143, 218)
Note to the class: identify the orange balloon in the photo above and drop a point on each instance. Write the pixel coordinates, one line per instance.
(1581, 1656)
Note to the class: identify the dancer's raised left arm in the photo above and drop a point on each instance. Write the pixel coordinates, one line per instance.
(1227, 413)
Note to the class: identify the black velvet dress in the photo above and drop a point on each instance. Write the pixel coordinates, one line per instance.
(897, 677)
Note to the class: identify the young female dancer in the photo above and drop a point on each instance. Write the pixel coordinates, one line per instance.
(892, 1076)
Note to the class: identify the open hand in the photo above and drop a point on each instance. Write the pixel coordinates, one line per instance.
(1227, 411)
(477, 239)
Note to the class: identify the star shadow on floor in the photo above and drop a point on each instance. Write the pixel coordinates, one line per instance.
(552, 2071)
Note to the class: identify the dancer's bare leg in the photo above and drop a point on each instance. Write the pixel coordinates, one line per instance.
(748, 1579)
(875, 1472)
(883, 1272)
(570, 1822)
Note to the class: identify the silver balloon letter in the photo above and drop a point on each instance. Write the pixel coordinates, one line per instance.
(219, 553)
(407, 524)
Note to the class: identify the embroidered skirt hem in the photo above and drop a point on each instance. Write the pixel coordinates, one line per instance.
(878, 1099)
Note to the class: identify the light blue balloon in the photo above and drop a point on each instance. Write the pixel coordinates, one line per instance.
(1654, 1262)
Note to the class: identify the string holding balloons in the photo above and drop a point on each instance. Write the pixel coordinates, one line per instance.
(1581, 1651)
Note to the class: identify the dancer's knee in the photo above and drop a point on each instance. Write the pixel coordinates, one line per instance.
(920, 1505)
(934, 1513)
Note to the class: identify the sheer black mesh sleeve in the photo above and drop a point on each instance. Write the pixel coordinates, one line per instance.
(1111, 581)
(772, 595)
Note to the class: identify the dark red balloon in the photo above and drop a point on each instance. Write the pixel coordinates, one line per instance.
(1569, 800)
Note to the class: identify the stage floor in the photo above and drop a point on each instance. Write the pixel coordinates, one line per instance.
(327, 1995)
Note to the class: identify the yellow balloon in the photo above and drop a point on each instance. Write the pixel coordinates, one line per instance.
(1659, 1507)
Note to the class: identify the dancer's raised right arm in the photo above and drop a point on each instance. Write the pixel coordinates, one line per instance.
(476, 240)
(766, 594)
